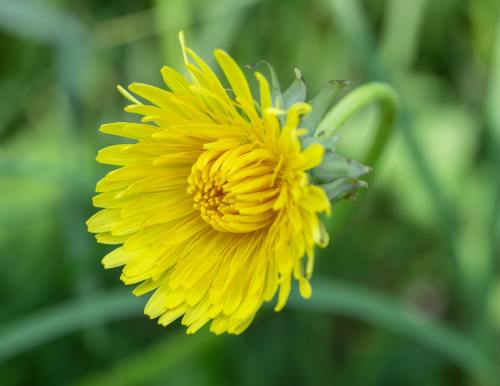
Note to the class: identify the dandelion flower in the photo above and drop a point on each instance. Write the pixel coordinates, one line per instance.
(212, 207)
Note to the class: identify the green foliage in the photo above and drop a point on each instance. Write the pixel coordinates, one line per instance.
(418, 248)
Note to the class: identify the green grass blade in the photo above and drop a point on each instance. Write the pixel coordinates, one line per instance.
(38, 22)
(151, 363)
(41, 327)
(494, 123)
(402, 27)
(340, 298)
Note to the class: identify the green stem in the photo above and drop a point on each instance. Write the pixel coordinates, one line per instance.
(380, 94)
(386, 99)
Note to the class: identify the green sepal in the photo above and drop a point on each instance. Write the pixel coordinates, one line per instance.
(337, 175)
(276, 94)
(320, 104)
(328, 143)
(343, 188)
(336, 166)
(296, 92)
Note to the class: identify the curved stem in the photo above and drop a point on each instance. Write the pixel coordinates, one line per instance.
(380, 94)
(387, 101)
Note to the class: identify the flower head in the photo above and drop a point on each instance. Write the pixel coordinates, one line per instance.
(213, 204)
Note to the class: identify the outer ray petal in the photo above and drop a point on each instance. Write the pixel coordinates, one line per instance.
(235, 76)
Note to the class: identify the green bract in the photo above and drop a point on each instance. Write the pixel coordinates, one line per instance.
(337, 175)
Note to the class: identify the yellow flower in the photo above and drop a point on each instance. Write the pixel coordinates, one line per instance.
(213, 204)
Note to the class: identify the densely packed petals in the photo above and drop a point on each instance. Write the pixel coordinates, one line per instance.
(212, 205)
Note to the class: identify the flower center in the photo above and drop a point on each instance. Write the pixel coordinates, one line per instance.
(235, 190)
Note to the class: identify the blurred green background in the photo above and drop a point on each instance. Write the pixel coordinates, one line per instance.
(407, 293)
